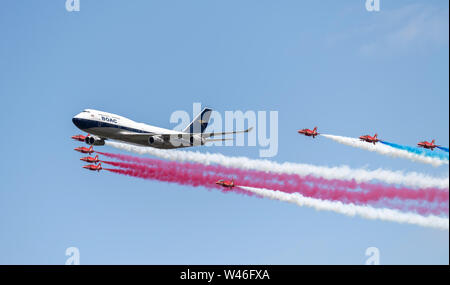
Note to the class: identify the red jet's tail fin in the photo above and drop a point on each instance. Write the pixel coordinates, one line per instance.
(432, 141)
(315, 129)
(375, 136)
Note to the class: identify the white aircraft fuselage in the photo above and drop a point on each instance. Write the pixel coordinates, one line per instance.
(104, 126)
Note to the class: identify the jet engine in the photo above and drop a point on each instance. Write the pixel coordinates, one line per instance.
(196, 140)
(155, 140)
(93, 140)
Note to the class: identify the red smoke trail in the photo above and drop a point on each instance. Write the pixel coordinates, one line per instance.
(201, 175)
(308, 186)
(170, 173)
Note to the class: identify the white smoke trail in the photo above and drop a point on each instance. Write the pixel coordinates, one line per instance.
(386, 150)
(411, 179)
(352, 209)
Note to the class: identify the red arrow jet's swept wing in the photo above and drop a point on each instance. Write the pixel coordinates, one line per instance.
(226, 183)
(369, 139)
(80, 138)
(93, 167)
(427, 145)
(83, 149)
(309, 133)
(90, 159)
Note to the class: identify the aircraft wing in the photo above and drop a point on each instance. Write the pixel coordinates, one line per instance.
(218, 140)
(142, 138)
(208, 135)
(167, 136)
(146, 136)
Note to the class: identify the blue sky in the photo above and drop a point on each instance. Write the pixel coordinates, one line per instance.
(325, 63)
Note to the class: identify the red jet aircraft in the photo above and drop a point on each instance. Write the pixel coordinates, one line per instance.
(93, 167)
(370, 139)
(309, 133)
(80, 138)
(226, 183)
(83, 149)
(90, 159)
(428, 145)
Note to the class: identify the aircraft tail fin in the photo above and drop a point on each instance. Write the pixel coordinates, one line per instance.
(315, 129)
(375, 136)
(432, 141)
(200, 122)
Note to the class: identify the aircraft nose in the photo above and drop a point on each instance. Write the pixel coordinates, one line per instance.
(76, 121)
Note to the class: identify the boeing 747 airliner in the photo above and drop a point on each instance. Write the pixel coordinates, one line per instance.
(102, 126)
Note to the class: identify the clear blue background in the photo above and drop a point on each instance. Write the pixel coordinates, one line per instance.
(325, 63)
